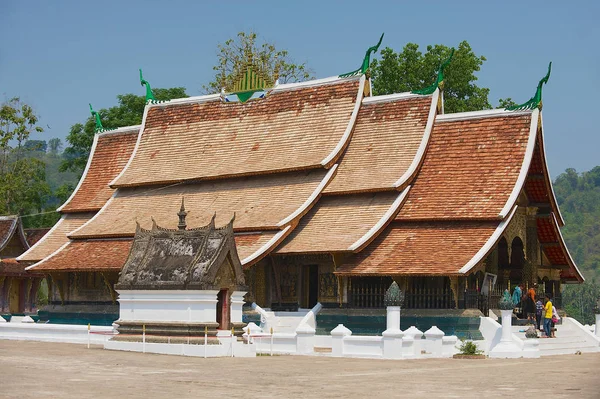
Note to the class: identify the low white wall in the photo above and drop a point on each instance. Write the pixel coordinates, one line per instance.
(283, 343)
(363, 346)
(224, 350)
(168, 305)
(75, 334)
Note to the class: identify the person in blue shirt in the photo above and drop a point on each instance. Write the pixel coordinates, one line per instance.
(516, 297)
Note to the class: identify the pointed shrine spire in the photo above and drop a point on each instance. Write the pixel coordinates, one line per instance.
(99, 127)
(366, 61)
(439, 82)
(535, 101)
(149, 94)
(182, 214)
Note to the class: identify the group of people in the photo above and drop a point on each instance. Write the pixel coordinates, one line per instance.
(539, 311)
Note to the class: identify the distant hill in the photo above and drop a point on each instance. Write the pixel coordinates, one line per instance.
(578, 196)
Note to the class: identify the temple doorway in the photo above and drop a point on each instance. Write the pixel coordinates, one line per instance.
(312, 286)
(223, 309)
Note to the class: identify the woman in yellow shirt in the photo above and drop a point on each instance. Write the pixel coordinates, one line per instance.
(547, 316)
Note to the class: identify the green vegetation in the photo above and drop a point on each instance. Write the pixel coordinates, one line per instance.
(578, 196)
(469, 348)
(411, 69)
(23, 185)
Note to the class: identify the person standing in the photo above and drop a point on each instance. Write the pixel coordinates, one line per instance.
(539, 309)
(547, 316)
(516, 297)
(555, 319)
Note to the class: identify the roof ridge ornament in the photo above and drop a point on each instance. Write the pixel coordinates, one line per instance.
(535, 101)
(248, 80)
(439, 82)
(99, 128)
(366, 61)
(150, 99)
(182, 214)
(149, 94)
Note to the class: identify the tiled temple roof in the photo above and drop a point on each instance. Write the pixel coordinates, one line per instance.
(470, 169)
(34, 235)
(422, 248)
(56, 237)
(259, 203)
(389, 137)
(342, 223)
(109, 154)
(8, 227)
(86, 255)
(301, 128)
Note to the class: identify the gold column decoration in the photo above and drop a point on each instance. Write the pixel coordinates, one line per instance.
(111, 289)
(27, 294)
(454, 288)
(59, 282)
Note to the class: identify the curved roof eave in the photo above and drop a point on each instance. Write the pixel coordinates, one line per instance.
(267, 247)
(560, 220)
(566, 250)
(420, 155)
(520, 183)
(489, 245)
(125, 129)
(381, 224)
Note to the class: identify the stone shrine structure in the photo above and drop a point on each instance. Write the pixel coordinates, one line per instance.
(182, 282)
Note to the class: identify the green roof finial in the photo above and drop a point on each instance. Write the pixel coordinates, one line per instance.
(99, 127)
(439, 82)
(149, 94)
(536, 100)
(366, 61)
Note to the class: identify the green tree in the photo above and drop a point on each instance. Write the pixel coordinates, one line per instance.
(411, 69)
(54, 146)
(35, 145)
(129, 112)
(23, 187)
(274, 63)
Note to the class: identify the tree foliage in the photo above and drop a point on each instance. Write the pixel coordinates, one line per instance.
(411, 69)
(22, 179)
(273, 62)
(54, 146)
(578, 196)
(128, 112)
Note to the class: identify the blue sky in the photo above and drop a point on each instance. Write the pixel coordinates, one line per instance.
(59, 56)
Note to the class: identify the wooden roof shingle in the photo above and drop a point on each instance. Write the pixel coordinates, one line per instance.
(470, 169)
(110, 152)
(288, 130)
(259, 203)
(385, 144)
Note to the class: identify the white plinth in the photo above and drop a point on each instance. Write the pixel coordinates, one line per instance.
(237, 301)
(179, 306)
(598, 325)
(507, 347)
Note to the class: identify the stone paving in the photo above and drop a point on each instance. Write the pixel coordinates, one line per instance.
(49, 370)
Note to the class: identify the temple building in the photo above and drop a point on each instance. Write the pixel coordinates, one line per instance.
(336, 193)
(18, 288)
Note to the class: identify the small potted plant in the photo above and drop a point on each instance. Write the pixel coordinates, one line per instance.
(469, 350)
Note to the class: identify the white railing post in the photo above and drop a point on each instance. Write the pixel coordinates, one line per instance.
(88, 335)
(392, 336)
(337, 340)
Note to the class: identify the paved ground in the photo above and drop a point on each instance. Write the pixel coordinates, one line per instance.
(45, 370)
